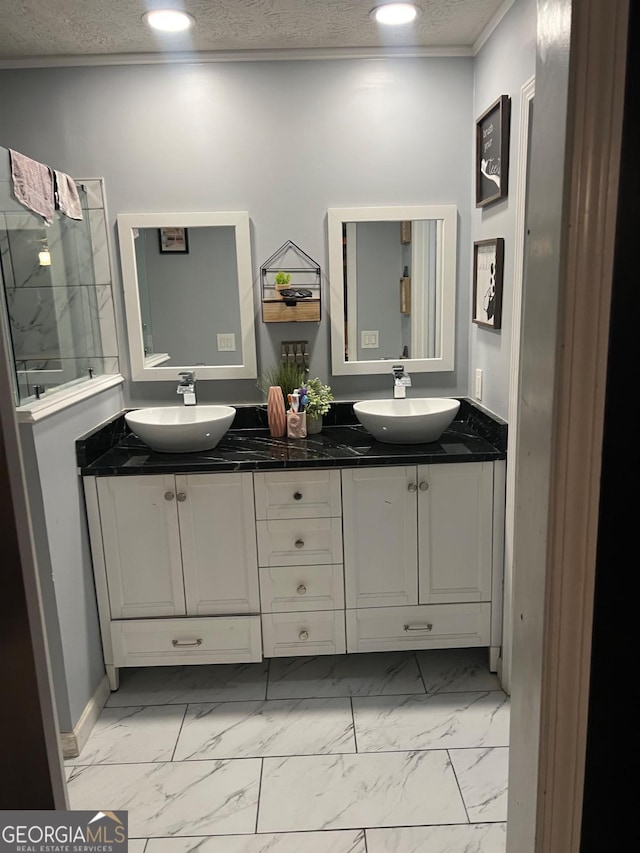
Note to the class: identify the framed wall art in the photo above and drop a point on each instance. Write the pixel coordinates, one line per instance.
(492, 152)
(488, 271)
(173, 240)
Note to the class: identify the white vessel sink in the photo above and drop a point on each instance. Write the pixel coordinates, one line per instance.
(410, 421)
(181, 429)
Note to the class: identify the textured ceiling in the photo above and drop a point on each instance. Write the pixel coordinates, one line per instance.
(41, 28)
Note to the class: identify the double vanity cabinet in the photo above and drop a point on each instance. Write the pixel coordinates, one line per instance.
(234, 566)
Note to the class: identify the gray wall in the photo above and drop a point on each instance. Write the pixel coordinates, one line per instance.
(283, 140)
(62, 546)
(379, 267)
(194, 296)
(506, 61)
(45, 574)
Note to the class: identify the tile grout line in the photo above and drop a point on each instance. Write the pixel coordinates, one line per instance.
(184, 716)
(291, 755)
(424, 683)
(316, 831)
(295, 698)
(266, 686)
(353, 719)
(259, 795)
(455, 776)
(364, 836)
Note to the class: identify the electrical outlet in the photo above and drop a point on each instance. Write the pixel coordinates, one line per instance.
(226, 343)
(369, 340)
(478, 389)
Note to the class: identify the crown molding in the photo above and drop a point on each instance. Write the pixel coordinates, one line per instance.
(491, 26)
(213, 56)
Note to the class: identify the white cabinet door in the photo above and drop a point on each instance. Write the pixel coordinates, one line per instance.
(380, 536)
(455, 520)
(141, 546)
(218, 536)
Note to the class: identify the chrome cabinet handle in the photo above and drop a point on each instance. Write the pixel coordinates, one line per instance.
(297, 496)
(424, 486)
(180, 643)
(182, 496)
(301, 589)
(303, 635)
(427, 627)
(169, 496)
(413, 487)
(299, 543)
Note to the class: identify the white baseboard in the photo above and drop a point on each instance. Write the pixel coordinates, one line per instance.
(73, 742)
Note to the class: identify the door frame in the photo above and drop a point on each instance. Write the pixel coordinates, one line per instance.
(527, 94)
(572, 212)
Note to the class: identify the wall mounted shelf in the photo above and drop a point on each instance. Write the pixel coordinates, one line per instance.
(291, 306)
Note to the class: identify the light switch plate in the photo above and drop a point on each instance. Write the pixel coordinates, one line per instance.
(369, 340)
(226, 343)
(478, 388)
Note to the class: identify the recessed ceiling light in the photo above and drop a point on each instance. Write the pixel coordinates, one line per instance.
(394, 14)
(169, 20)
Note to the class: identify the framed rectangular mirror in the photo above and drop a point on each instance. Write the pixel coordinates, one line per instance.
(393, 288)
(188, 294)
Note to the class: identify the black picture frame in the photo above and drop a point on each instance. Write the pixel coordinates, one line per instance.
(173, 241)
(488, 279)
(492, 152)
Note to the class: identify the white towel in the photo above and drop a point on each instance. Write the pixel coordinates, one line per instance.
(33, 185)
(67, 198)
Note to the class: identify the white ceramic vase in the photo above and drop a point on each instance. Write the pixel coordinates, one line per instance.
(314, 425)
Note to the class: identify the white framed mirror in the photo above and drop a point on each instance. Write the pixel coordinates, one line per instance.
(393, 288)
(188, 294)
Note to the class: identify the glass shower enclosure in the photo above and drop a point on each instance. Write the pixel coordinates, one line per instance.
(57, 304)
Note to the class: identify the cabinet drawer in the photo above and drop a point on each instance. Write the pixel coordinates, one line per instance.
(289, 588)
(437, 626)
(300, 542)
(312, 633)
(159, 642)
(297, 494)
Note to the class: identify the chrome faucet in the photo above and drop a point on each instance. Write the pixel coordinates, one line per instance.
(187, 387)
(401, 381)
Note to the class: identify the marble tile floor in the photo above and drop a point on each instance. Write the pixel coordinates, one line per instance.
(379, 753)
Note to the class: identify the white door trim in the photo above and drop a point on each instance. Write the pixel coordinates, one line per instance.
(526, 96)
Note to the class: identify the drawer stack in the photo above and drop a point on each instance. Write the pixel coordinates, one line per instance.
(299, 531)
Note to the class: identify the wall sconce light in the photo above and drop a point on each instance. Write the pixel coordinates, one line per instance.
(44, 255)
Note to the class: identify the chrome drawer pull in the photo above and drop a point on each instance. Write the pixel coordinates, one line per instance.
(303, 635)
(297, 496)
(180, 643)
(427, 627)
(169, 496)
(413, 487)
(424, 486)
(299, 543)
(182, 496)
(301, 589)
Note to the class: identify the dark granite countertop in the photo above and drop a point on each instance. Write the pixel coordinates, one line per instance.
(475, 436)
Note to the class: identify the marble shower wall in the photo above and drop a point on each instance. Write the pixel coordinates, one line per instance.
(60, 317)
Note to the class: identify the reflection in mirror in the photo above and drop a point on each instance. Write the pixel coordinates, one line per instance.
(392, 288)
(189, 298)
(188, 294)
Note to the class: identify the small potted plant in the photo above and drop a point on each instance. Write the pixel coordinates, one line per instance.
(286, 374)
(283, 280)
(318, 404)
